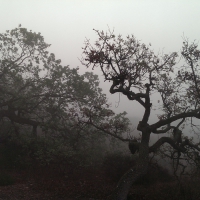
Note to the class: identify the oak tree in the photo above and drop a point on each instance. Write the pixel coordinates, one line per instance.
(135, 71)
(38, 92)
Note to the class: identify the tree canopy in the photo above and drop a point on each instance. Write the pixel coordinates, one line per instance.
(137, 72)
(36, 90)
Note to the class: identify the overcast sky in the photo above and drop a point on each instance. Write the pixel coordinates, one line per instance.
(66, 23)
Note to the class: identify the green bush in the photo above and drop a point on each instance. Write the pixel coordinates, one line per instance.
(6, 179)
(155, 173)
(115, 165)
(13, 155)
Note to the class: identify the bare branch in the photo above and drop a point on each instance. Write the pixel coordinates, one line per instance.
(170, 141)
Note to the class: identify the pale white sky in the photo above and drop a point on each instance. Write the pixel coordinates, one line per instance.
(66, 23)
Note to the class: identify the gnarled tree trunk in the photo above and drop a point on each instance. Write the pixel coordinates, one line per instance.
(133, 174)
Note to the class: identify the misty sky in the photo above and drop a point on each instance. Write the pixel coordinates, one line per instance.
(66, 23)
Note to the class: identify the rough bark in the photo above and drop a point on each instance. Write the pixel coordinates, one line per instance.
(133, 174)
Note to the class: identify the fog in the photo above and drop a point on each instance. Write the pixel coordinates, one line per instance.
(66, 23)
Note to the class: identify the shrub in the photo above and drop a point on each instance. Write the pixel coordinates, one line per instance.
(155, 173)
(13, 156)
(6, 179)
(115, 165)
